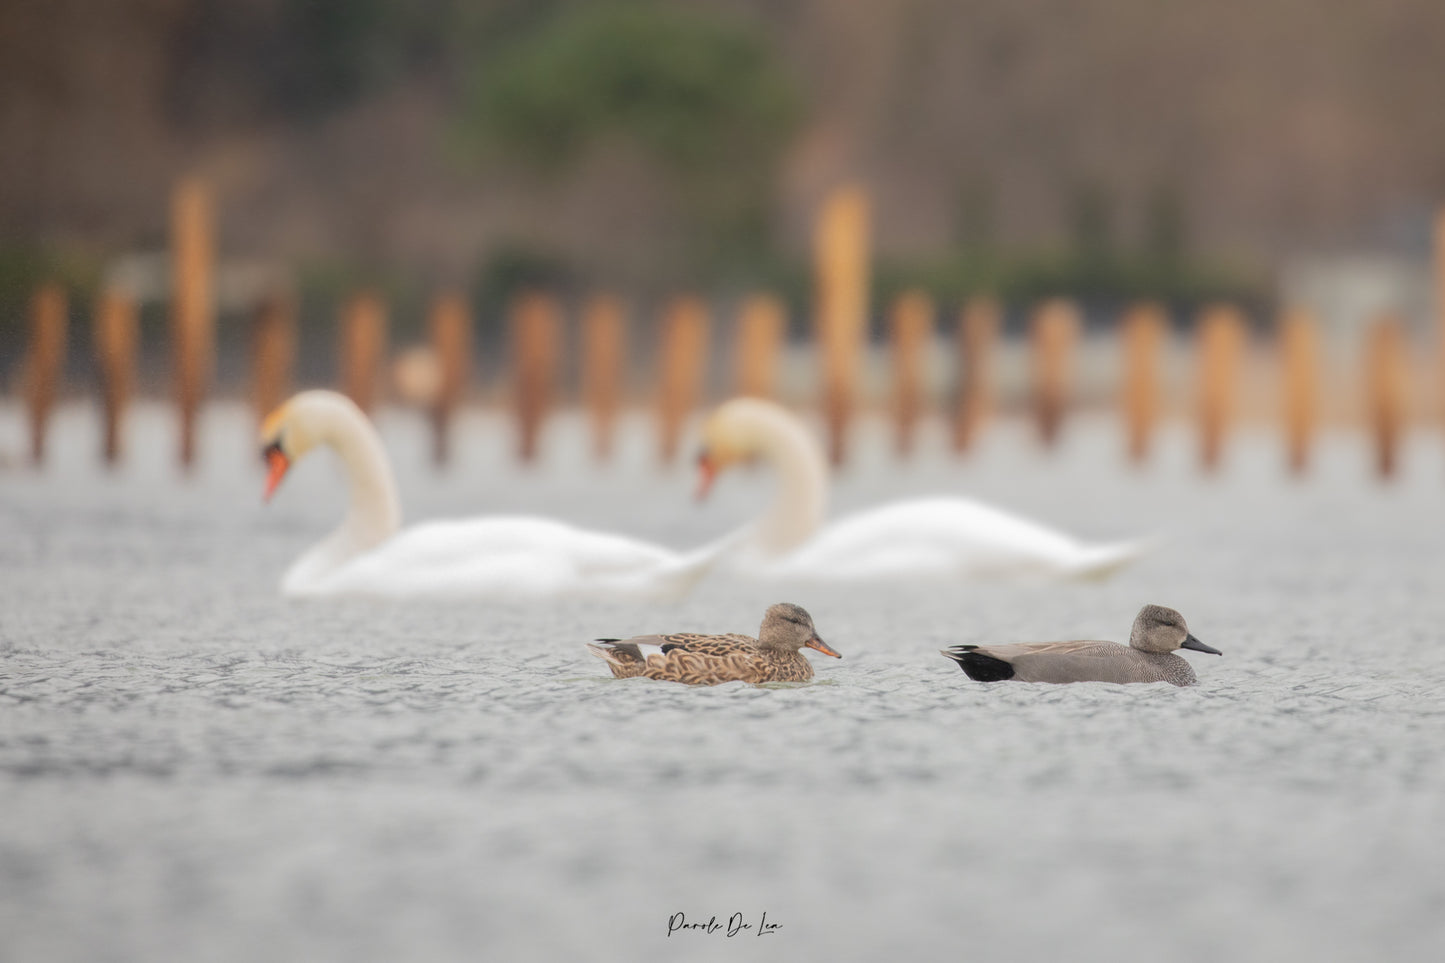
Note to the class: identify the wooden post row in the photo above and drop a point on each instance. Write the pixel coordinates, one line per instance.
(761, 324)
(1439, 257)
(911, 323)
(273, 352)
(842, 278)
(192, 304)
(1387, 390)
(1299, 360)
(1144, 328)
(1055, 332)
(1221, 341)
(682, 371)
(978, 327)
(363, 348)
(450, 330)
(536, 322)
(45, 361)
(604, 354)
(116, 340)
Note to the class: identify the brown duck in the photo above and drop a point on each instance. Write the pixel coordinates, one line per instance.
(774, 656)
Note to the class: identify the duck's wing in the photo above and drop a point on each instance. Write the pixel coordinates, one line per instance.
(629, 657)
(1075, 661)
(718, 645)
(689, 657)
(1084, 648)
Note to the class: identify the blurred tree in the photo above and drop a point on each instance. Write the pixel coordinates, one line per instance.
(976, 225)
(302, 59)
(511, 268)
(336, 51)
(1091, 222)
(1165, 231)
(701, 94)
(339, 49)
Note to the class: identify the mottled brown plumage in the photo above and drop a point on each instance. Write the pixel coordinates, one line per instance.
(696, 659)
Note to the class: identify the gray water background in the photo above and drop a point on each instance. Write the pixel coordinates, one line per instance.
(194, 768)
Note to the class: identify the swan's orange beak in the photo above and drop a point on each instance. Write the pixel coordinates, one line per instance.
(706, 473)
(823, 647)
(276, 466)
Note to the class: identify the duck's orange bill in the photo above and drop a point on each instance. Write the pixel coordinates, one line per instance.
(823, 647)
(276, 464)
(706, 472)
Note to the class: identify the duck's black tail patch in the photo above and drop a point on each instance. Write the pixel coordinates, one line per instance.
(977, 666)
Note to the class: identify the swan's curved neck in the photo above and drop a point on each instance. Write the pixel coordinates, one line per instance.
(802, 498)
(373, 512)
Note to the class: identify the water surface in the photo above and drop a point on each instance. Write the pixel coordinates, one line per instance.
(192, 767)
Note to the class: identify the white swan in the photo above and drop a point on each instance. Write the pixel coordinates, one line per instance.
(500, 555)
(926, 537)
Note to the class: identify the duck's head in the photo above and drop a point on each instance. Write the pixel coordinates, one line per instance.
(1161, 629)
(297, 426)
(790, 627)
(736, 433)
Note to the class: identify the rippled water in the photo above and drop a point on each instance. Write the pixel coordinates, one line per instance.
(193, 768)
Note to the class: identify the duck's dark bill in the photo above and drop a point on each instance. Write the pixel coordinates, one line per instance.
(1190, 642)
(823, 647)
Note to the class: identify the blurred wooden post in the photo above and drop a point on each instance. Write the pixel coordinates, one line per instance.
(682, 370)
(192, 303)
(536, 321)
(1054, 335)
(1440, 306)
(1387, 387)
(1221, 342)
(273, 352)
(451, 343)
(759, 339)
(363, 348)
(978, 327)
(604, 353)
(911, 324)
(45, 361)
(842, 276)
(1143, 329)
(1299, 358)
(116, 339)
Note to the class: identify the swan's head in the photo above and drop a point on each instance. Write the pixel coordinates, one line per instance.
(1161, 629)
(790, 627)
(736, 433)
(300, 424)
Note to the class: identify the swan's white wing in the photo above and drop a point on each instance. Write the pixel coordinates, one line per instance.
(941, 537)
(512, 555)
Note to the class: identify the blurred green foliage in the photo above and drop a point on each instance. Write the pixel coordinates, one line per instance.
(697, 92)
(510, 269)
(702, 95)
(538, 85)
(23, 269)
(1102, 284)
(1094, 267)
(337, 51)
